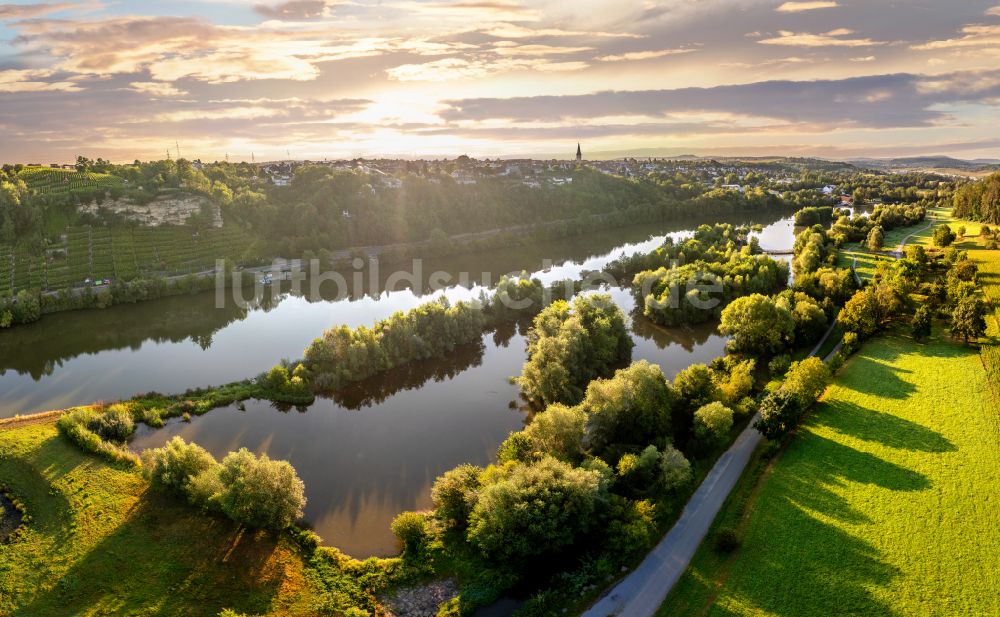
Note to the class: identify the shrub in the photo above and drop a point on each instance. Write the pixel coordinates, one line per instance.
(74, 425)
(850, 343)
(675, 470)
(454, 494)
(115, 424)
(176, 464)
(713, 422)
(260, 492)
(411, 529)
(726, 540)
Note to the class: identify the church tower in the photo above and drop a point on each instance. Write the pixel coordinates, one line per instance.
(579, 153)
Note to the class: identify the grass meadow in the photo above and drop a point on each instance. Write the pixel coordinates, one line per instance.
(98, 542)
(883, 503)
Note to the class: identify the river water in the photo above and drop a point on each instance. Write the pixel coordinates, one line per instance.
(374, 449)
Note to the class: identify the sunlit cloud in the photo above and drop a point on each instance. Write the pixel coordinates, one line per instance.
(973, 36)
(797, 7)
(833, 38)
(156, 88)
(459, 68)
(33, 81)
(644, 55)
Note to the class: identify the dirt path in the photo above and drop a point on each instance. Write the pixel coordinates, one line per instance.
(35, 418)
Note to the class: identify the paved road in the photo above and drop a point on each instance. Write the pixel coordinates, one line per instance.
(642, 592)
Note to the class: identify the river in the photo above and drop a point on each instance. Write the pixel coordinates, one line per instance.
(374, 449)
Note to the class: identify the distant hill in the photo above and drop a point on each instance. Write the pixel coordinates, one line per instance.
(929, 162)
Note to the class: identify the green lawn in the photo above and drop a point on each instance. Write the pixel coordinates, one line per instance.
(99, 543)
(883, 503)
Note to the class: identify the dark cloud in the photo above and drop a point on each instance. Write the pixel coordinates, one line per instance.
(882, 101)
(296, 10)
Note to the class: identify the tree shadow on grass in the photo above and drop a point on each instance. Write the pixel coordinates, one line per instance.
(167, 559)
(876, 426)
(883, 379)
(799, 556)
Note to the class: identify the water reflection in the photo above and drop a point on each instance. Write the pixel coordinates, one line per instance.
(370, 450)
(175, 343)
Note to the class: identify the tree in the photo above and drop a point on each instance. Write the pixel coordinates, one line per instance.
(569, 345)
(260, 492)
(757, 325)
(675, 470)
(559, 431)
(536, 509)
(633, 407)
(920, 325)
(780, 412)
(875, 239)
(713, 422)
(968, 318)
(807, 379)
(943, 235)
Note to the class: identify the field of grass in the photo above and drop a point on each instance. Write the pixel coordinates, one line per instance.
(99, 543)
(883, 503)
(989, 280)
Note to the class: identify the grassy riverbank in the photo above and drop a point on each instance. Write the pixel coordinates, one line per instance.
(98, 541)
(877, 504)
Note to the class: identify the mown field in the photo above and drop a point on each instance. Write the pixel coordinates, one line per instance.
(883, 503)
(97, 542)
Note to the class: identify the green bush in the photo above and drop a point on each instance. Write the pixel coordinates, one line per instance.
(713, 422)
(412, 531)
(726, 540)
(176, 465)
(260, 492)
(115, 424)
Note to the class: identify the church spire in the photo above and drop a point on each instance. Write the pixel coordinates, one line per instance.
(579, 153)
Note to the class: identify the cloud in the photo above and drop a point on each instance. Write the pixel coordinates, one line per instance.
(172, 48)
(832, 38)
(10, 12)
(156, 88)
(448, 69)
(644, 55)
(976, 35)
(507, 48)
(994, 11)
(487, 10)
(512, 31)
(796, 7)
(33, 81)
(883, 101)
(297, 10)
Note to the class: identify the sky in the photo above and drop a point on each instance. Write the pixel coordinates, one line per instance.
(315, 79)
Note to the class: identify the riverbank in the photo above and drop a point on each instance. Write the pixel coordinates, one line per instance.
(130, 291)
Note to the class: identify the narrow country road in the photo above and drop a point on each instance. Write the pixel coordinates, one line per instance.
(642, 592)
